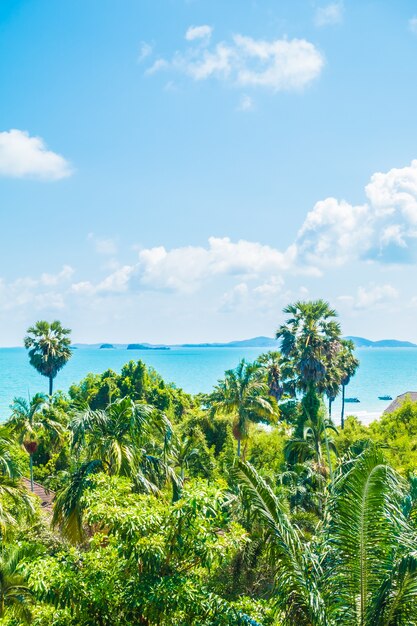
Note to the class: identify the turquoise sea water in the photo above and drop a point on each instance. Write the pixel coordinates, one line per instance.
(382, 371)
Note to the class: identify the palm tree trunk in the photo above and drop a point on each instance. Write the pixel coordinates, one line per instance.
(31, 471)
(342, 415)
(238, 447)
(51, 384)
(330, 408)
(329, 460)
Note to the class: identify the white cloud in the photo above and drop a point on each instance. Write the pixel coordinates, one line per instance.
(185, 269)
(395, 192)
(329, 14)
(384, 229)
(280, 65)
(63, 276)
(45, 292)
(22, 156)
(199, 32)
(412, 24)
(160, 64)
(334, 232)
(372, 296)
(145, 51)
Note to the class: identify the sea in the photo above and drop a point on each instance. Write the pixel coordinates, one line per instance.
(382, 371)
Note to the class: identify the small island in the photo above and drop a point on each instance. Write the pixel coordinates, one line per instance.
(106, 346)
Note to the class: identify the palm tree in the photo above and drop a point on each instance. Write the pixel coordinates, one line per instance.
(348, 364)
(310, 341)
(68, 502)
(122, 439)
(49, 348)
(279, 374)
(186, 453)
(361, 566)
(310, 338)
(310, 446)
(244, 395)
(29, 420)
(15, 596)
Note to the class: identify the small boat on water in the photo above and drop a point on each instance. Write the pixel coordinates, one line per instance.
(384, 397)
(352, 400)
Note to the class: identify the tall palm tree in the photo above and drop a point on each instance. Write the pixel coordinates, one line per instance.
(361, 567)
(49, 348)
(310, 340)
(310, 337)
(348, 366)
(29, 420)
(244, 395)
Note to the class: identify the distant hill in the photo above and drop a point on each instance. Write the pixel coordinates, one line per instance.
(361, 342)
(255, 342)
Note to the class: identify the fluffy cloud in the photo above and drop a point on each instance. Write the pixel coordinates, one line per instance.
(334, 232)
(330, 14)
(45, 292)
(22, 156)
(280, 65)
(384, 229)
(185, 269)
(199, 32)
(371, 296)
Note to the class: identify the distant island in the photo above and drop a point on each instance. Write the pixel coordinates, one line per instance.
(142, 346)
(255, 342)
(361, 342)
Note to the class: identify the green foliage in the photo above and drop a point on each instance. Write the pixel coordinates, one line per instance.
(156, 522)
(135, 381)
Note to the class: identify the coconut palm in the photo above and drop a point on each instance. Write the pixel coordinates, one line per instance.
(361, 567)
(29, 420)
(49, 348)
(348, 364)
(15, 596)
(244, 395)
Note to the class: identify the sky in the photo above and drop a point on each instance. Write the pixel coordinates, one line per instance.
(180, 170)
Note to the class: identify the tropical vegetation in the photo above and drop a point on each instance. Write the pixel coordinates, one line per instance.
(247, 505)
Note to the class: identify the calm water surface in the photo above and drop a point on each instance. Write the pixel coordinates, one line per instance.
(382, 371)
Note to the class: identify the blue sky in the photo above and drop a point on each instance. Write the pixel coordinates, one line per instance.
(179, 170)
